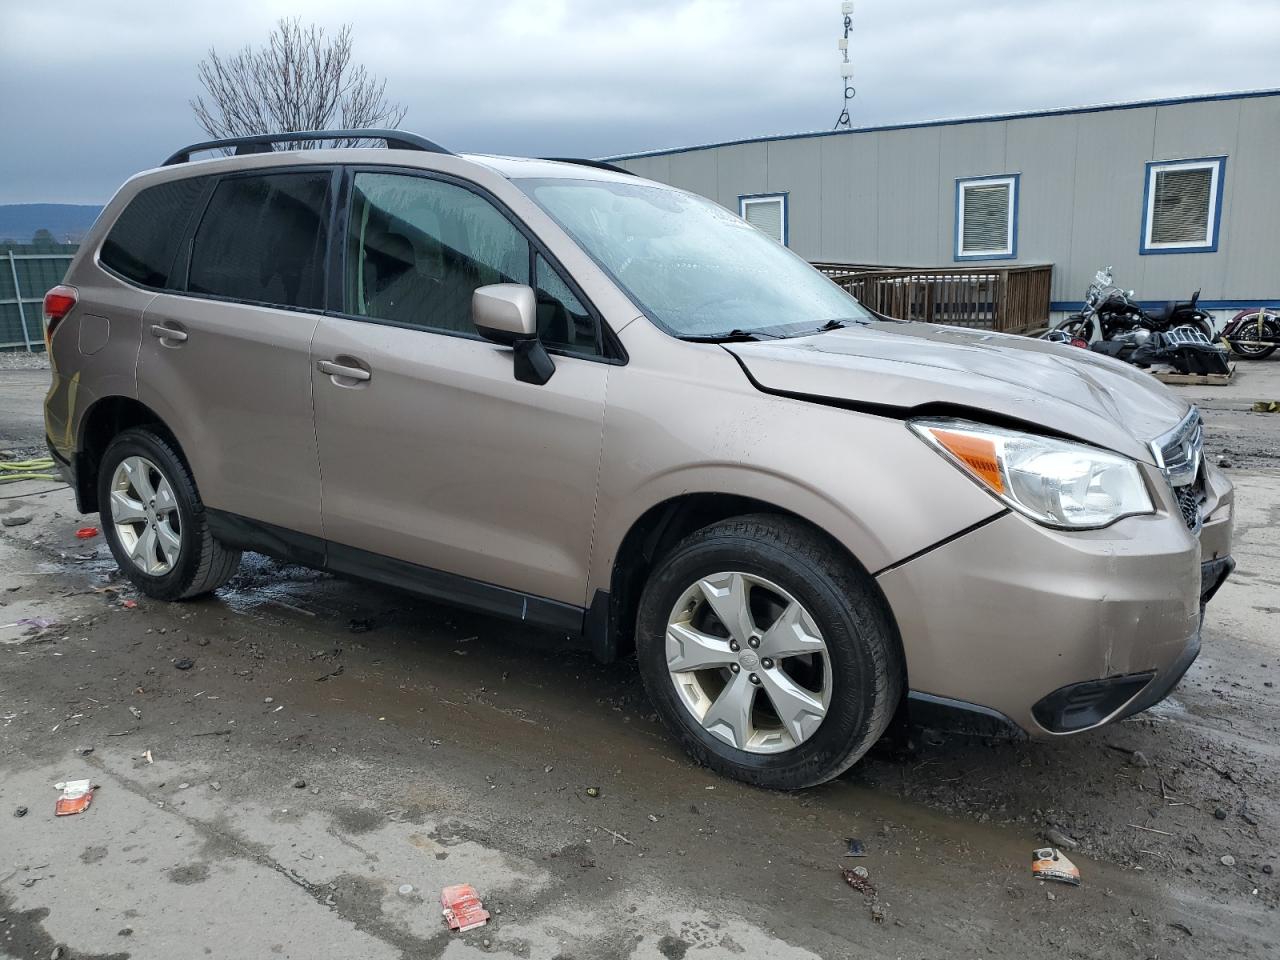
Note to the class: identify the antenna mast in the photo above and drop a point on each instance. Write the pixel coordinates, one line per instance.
(846, 68)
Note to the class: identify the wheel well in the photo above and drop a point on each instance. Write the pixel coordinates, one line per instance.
(649, 539)
(102, 423)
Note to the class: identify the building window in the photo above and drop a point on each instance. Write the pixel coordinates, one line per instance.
(1182, 206)
(767, 212)
(987, 218)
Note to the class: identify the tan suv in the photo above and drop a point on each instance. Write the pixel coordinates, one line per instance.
(562, 394)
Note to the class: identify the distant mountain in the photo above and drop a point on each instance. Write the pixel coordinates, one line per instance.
(68, 222)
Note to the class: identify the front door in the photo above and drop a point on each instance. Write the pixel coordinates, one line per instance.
(227, 365)
(431, 452)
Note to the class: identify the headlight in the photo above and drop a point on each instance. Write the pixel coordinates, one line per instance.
(1054, 482)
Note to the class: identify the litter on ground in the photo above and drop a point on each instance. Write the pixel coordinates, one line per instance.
(858, 878)
(1048, 863)
(76, 797)
(462, 908)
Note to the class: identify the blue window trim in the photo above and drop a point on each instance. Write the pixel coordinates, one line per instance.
(961, 183)
(784, 196)
(1212, 245)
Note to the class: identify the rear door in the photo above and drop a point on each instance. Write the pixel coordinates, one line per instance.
(226, 362)
(434, 453)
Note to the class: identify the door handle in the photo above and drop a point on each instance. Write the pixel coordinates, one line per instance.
(341, 370)
(168, 333)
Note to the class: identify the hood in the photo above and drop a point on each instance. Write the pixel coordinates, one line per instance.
(890, 364)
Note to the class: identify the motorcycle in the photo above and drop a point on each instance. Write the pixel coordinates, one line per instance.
(1112, 323)
(1253, 334)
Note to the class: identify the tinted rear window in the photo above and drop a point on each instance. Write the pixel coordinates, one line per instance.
(262, 239)
(142, 244)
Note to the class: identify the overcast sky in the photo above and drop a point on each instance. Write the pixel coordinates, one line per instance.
(94, 91)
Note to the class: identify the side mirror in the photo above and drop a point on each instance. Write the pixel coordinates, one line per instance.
(506, 313)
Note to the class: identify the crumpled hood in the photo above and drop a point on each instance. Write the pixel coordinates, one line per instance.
(1067, 390)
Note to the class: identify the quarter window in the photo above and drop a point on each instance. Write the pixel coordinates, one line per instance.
(767, 213)
(986, 218)
(1182, 206)
(262, 240)
(418, 248)
(563, 321)
(144, 239)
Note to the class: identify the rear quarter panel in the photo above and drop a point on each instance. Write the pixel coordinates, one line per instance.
(94, 351)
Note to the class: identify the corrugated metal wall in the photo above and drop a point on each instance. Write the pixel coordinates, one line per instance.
(888, 196)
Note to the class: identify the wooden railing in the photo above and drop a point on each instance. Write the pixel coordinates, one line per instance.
(1007, 299)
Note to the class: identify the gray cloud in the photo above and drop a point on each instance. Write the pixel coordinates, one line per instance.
(93, 95)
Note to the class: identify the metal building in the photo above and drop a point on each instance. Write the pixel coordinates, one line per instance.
(1175, 194)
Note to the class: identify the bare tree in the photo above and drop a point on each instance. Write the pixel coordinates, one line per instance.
(302, 79)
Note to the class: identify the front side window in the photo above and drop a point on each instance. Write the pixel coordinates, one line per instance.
(1182, 207)
(418, 248)
(986, 218)
(695, 268)
(262, 240)
(143, 242)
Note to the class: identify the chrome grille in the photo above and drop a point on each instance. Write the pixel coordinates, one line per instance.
(1178, 454)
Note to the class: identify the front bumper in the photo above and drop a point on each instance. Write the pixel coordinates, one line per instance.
(1057, 632)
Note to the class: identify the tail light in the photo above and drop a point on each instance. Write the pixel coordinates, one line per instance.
(57, 304)
(1080, 342)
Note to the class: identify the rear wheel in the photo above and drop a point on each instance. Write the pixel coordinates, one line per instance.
(1246, 343)
(768, 652)
(154, 521)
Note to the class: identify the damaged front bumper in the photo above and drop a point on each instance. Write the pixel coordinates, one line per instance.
(1018, 630)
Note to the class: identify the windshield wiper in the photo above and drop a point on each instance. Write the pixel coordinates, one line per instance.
(836, 323)
(733, 336)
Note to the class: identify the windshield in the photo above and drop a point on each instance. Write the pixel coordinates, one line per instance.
(694, 268)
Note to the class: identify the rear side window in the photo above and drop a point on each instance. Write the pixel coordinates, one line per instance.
(262, 239)
(142, 243)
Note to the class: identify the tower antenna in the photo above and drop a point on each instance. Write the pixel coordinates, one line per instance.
(846, 68)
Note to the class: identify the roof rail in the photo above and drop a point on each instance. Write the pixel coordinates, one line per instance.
(261, 142)
(598, 164)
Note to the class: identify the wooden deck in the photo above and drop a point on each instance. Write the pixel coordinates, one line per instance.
(1006, 299)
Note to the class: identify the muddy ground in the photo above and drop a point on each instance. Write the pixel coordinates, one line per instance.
(439, 747)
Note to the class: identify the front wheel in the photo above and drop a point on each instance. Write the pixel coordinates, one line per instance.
(154, 521)
(768, 652)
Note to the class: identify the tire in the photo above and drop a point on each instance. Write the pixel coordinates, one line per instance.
(781, 561)
(1253, 353)
(200, 564)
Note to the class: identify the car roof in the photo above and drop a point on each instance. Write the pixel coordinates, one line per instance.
(518, 168)
(511, 168)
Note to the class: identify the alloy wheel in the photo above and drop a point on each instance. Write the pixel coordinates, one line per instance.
(144, 512)
(748, 662)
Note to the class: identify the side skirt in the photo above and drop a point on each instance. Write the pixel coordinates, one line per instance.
(311, 551)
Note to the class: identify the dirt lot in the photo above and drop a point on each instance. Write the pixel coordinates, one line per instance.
(332, 742)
